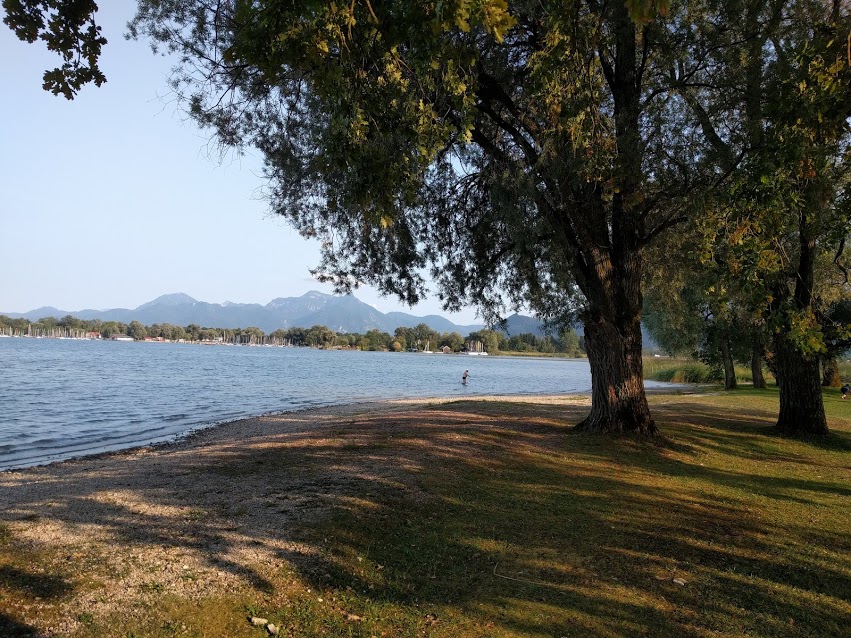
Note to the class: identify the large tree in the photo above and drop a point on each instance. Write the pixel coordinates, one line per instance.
(776, 111)
(518, 156)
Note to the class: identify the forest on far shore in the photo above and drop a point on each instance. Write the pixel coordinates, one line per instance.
(420, 337)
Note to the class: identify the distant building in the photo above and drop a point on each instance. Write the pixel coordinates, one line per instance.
(92, 335)
(446, 350)
(121, 338)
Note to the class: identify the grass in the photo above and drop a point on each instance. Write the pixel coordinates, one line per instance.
(495, 519)
(690, 371)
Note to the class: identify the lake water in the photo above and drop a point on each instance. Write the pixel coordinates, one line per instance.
(62, 398)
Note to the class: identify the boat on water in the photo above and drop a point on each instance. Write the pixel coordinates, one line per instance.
(476, 349)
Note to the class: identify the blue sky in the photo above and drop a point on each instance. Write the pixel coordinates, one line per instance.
(115, 198)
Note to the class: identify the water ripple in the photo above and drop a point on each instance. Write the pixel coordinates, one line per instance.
(60, 399)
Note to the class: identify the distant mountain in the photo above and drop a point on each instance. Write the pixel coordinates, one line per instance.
(174, 299)
(340, 313)
(519, 324)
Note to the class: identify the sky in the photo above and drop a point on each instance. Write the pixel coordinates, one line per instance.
(115, 198)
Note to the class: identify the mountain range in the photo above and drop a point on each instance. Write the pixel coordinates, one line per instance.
(340, 313)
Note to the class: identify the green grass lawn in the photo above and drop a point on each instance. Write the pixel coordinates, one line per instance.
(495, 519)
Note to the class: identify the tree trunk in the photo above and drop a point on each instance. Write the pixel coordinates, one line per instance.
(756, 368)
(618, 401)
(801, 405)
(609, 266)
(801, 402)
(729, 366)
(831, 378)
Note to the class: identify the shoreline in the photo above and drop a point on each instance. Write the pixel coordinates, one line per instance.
(188, 437)
(251, 422)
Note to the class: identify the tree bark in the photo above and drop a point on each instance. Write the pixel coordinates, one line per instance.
(729, 366)
(611, 270)
(830, 377)
(756, 368)
(618, 401)
(801, 405)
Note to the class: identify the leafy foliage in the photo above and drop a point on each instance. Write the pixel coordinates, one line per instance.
(68, 28)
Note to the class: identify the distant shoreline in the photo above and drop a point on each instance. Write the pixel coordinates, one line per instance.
(500, 353)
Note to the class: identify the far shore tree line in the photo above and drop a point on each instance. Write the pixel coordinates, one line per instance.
(419, 338)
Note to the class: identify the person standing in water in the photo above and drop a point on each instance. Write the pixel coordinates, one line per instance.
(464, 377)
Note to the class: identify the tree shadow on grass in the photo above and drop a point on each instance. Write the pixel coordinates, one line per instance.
(11, 628)
(39, 585)
(614, 528)
(480, 518)
(25, 584)
(746, 433)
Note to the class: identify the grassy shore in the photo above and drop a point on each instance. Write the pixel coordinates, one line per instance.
(680, 370)
(455, 520)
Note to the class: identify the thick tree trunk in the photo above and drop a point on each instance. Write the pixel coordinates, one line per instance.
(801, 405)
(756, 368)
(609, 267)
(729, 366)
(618, 401)
(830, 376)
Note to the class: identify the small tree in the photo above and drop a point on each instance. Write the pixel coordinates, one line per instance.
(137, 330)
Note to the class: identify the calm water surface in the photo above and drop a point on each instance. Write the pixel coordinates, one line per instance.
(62, 398)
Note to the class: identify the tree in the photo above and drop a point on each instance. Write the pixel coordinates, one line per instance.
(69, 321)
(137, 330)
(404, 337)
(699, 309)
(518, 155)
(319, 336)
(193, 332)
(526, 342)
(297, 336)
(452, 339)
(569, 343)
(424, 337)
(377, 340)
(779, 127)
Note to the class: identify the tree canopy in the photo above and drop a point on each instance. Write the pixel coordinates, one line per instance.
(68, 28)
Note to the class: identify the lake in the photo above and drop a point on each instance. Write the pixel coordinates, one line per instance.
(64, 398)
